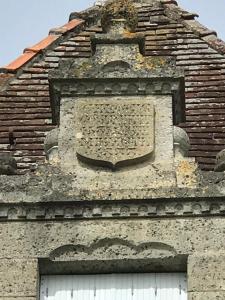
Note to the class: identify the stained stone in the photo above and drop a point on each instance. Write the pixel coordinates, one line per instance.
(220, 161)
(113, 130)
(8, 165)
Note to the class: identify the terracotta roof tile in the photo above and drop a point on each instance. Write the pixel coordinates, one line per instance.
(66, 27)
(20, 61)
(42, 44)
(32, 51)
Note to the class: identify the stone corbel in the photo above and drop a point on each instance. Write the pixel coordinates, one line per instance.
(186, 167)
(181, 142)
(51, 146)
(220, 161)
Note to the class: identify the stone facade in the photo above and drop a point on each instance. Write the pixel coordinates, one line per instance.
(117, 192)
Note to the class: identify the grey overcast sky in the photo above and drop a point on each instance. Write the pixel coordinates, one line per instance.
(25, 22)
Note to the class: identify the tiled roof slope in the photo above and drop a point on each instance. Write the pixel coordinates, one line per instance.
(25, 114)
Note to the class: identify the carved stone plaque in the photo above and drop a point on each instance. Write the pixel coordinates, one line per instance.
(114, 130)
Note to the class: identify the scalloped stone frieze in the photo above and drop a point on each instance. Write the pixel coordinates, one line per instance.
(112, 249)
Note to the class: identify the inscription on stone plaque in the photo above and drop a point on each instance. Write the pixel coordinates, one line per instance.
(114, 130)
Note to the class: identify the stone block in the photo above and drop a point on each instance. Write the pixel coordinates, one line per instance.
(18, 278)
(207, 296)
(206, 273)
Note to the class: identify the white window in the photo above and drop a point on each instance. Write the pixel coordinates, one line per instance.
(152, 286)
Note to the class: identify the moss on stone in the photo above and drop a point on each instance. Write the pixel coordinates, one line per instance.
(119, 9)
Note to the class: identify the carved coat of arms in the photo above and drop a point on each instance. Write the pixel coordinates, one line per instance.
(115, 130)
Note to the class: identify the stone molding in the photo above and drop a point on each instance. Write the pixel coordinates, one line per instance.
(116, 248)
(161, 208)
(116, 87)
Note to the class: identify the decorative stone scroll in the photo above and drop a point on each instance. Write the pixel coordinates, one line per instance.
(112, 130)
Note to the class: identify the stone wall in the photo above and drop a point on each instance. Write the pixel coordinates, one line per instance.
(29, 249)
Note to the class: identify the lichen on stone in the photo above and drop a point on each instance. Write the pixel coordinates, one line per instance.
(82, 68)
(119, 9)
(149, 63)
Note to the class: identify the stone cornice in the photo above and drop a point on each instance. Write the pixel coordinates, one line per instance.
(149, 208)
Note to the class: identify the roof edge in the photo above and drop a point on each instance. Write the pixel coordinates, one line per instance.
(188, 20)
(31, 52)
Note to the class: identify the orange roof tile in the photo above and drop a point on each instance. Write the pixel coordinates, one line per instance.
(42, 44)
(20, 61)
(66, 27)
(32, 51)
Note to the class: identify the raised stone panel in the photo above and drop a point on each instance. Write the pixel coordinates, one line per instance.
(155, 170)
(114, 130)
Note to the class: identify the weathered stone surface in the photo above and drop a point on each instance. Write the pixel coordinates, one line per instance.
(181, 140)
(50, 184)
(110, 245)
(121, 85)
(117, 10)
(207, 272)
(100, 209)
(8, 164)
(39, 238)
(51, 139)
(114, 130)
(157, 215)
(186, 173)
(19, 277)
(52, 155)
(156, 171)
(214, 295)
(220, 161)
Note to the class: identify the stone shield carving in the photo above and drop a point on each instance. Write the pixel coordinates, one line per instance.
(114, 130)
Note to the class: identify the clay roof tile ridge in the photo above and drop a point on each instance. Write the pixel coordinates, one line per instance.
(30, 52)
